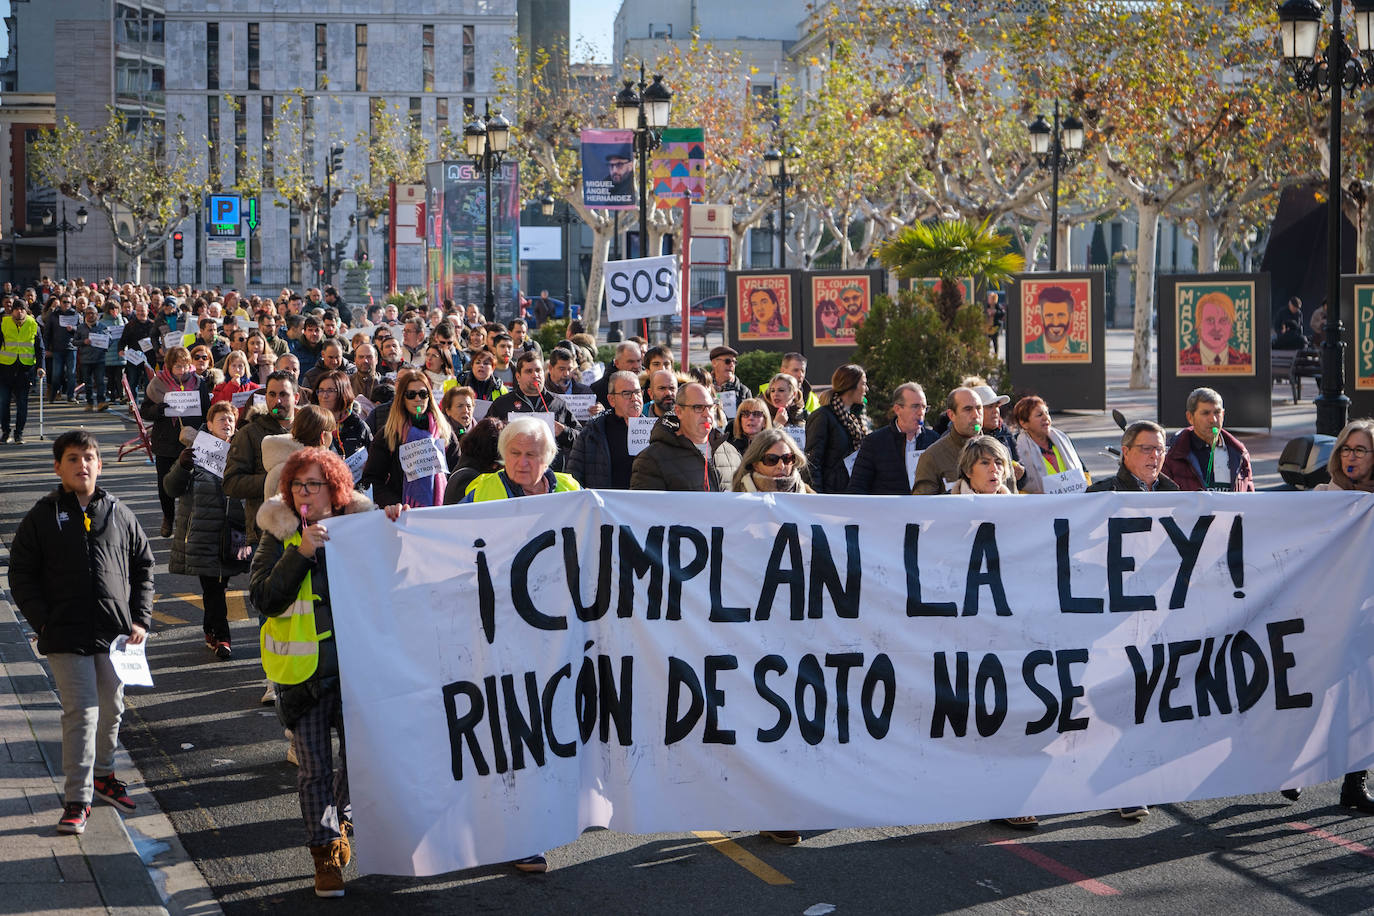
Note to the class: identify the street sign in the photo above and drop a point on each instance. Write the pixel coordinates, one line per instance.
(226, 248)
(252, 214)
(224, 215)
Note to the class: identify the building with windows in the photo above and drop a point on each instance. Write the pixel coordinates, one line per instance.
(315, 78)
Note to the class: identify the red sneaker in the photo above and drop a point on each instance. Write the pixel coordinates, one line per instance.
(74, 818)
(113, 792)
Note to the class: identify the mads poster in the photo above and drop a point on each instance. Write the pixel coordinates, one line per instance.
(1215, 328)
(842, 304)
(1056, 321)
(766, 307)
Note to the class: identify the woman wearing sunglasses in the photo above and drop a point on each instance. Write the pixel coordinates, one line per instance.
(405, 475)
(751, 418)
(771, 464)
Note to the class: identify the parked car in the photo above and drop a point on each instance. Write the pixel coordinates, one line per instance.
(707, 315)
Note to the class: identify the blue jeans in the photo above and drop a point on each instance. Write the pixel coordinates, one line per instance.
(93, 374)
(14, 386)
(62, 378)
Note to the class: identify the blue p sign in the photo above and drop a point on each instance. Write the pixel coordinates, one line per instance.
(224, 209)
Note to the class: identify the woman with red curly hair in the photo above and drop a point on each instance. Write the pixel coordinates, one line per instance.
(290, 585)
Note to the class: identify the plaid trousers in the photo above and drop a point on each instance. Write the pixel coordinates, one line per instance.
(322, 786)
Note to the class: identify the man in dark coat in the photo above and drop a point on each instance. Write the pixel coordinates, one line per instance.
(1204, 456)
(81, 573)
(529, 396)
(1142, 459)
(886, 463)
(245, 475)
(600, 457)
(684, 452)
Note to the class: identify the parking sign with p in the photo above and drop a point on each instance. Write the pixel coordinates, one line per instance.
(225, 214)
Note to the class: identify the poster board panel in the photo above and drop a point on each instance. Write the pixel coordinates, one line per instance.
(763, 310)
(1357, 315)
(1056, 339)
(836, 304)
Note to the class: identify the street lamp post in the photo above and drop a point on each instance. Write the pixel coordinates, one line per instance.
(1054, 148)
(644, 110)
(567, 219)
(1338, 68)
(487, 139)
(65, 229)
(775, 165)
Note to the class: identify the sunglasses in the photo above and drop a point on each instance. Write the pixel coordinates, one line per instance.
(752, 414)
(417, 395)
(771, 461)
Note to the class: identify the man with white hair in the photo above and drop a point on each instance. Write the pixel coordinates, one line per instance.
(527, 449)
(628, 358)
(600, 458)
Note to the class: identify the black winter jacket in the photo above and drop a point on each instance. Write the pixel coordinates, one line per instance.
(203, 511)
(828, 444)
(80, 590)
(589, 462)
(384, 474)
(880, 468)
(672, 462)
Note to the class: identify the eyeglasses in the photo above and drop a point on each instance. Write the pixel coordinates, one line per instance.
(417, 395)
(326, 391)
(309, 487)
(771, 461)
(697, 408)
(635, 393)
(728, 360)
(1149, 449)
(1355, 451)
(200, 357)
(752, 414)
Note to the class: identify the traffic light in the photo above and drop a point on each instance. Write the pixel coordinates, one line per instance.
(335, 159)
(178, 249)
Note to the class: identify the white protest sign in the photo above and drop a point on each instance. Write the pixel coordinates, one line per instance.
(798, 434)
(479, 409)
(355, 464)
(580, 405)
(640, 429)
(641, 288)
(130, 662)
(68, 321)
(422, 458)
(172, 339)
(1071, 481)
(259, 399)
(241, 398)
(1134, 648)
(545, 415)
(729, 402)
(210, 453)
(250, 324)
(182, 403)
(849, 462)
(135, 358)
(145, 344)
(99, 341)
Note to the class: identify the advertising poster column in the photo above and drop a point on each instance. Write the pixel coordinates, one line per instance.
(455, 236)
(1358, 318)
(1056, 339)
(835, 305)
(1214, 333)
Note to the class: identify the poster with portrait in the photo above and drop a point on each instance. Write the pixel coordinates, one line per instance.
(763, 306)
(1056, 321)
(1357, 296)
(933, 284)
(1215, 328)
(1056, 338)
(608, 170)
(839, 303)
(1208, 338)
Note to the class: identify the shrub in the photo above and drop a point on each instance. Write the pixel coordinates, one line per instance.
(605, 354)
(548, 334)
(907, 340)
(756, 368)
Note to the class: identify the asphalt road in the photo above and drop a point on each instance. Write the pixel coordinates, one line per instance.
(213, 757)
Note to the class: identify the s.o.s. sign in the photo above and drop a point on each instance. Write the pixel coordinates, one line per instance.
(641, 288)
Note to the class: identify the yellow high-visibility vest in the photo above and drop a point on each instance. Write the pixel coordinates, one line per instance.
(288, 643)
(19, 341)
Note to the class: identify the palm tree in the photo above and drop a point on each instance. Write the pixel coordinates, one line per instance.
(950, 250)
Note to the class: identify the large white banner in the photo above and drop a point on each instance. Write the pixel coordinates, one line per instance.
(517, 671)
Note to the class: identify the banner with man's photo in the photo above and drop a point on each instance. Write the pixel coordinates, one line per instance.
(608, 170)
(1214, 333)
(762, 309)
(1056, 338)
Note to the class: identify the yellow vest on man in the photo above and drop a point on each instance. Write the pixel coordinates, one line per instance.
(289, 645)
(489, 486)
(18, 341)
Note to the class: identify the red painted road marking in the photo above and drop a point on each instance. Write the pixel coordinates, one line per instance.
(1333, 838)
(1058, 869)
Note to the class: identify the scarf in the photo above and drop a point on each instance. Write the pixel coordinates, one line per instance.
(426, 491)
(853, 424)
(765, 484)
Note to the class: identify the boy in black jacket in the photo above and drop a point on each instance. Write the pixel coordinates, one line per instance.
(81, 572)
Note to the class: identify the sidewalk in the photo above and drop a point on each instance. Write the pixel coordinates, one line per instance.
(133, 867)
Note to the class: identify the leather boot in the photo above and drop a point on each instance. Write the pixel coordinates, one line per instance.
(1355, 793)
(329, 861)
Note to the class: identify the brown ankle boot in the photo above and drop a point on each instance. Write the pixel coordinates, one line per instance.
(329, 862)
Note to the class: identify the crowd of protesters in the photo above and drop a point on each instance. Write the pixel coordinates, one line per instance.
(323, 409)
